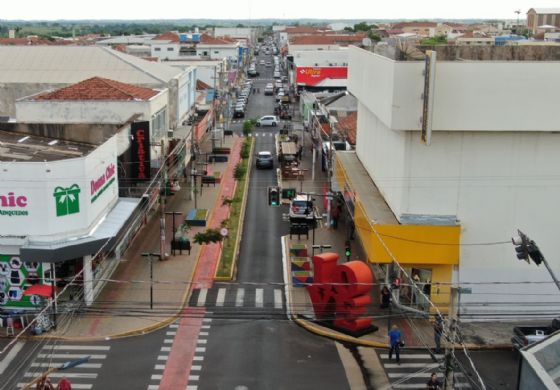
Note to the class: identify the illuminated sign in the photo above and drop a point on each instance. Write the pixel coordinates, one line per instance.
(312, 76)
(140, 150)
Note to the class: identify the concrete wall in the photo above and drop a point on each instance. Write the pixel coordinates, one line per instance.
(495, 172)
(321, 57)
(498, 92)
(10, 92)
(293, 48)
(110, 112)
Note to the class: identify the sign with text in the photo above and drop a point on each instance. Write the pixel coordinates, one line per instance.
(312, 76)
(140, 151)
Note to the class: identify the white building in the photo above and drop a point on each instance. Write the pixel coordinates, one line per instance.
(173, 46)
(449, 209)
(320, 68)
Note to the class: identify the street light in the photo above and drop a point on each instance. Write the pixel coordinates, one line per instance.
(149, 256)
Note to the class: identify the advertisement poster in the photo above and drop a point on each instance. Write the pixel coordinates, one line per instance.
(312, 76)
(15, 277)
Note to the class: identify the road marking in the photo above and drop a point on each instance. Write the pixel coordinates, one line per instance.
(168, 341)
(75, 375)
(277, 298)
(11, 356)
(205, 327)
(200, 349)
(196, 368)
(150, 387)
(156, 377)
(192, 387)
(165, 349)
(202, 341)
(412, 365)
(67, 356)
(171, 333)
(203, 333)
(77, 386)
(193, 377)
(202, 297)
(221, 297)
(239, 297)
(162, 357)
(174, 326)
(259, 297)
(206, 320)
(83, 365)
(77, 347)
(159, 367)
(198, 358)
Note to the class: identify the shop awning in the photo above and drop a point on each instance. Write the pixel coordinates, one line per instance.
(103, 234)
(44, 290)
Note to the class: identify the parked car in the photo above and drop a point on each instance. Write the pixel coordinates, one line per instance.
(252, 73)
(268, 64)
(239, 112)
(262, 62)
(267, 120)
(265, 160)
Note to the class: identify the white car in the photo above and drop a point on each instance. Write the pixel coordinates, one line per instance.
(267, 120)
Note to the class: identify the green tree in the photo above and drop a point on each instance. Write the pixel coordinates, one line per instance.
(437, 40)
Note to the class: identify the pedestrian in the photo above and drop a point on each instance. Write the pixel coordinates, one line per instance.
(45, 384)
(335, 214)
(395, 340)
(433, 383)
(385, 297)
(64, 384)
(438, 331)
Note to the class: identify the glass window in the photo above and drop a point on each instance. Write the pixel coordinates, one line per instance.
(159, 125)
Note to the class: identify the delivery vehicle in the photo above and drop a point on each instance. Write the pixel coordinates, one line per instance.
(526, 335)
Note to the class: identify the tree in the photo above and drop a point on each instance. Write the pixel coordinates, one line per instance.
(437, 40)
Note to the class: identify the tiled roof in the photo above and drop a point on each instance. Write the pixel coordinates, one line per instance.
(200, 85)
(210, 40)
(98, 88)
(167, 36)
(304, 29)
(325, 39)
(26, 41)
(414, 24)
(348, 125)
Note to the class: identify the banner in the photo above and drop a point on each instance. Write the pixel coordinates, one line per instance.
(140, 151)
(311, 76)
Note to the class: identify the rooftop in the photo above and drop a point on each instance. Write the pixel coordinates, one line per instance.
(98, 88)
(326, 39)
(21, 147)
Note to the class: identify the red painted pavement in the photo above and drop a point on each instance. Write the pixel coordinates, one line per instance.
(178, 367)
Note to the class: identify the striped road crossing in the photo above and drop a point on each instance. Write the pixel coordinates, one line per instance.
(415, 369)
(82, 376)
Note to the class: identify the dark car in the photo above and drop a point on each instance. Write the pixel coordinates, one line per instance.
(265, 160)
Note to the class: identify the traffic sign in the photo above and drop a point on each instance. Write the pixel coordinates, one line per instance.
(224, 232)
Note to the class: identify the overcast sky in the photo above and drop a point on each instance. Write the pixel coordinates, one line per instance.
(256, 9)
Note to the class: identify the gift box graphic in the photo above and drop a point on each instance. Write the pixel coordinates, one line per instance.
(67, 200)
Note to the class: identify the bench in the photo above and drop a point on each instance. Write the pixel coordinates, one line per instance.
(217, 158)
(222, 151)
(211, 177)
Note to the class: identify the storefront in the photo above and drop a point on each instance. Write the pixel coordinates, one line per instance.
(61, 217)
(428, 252)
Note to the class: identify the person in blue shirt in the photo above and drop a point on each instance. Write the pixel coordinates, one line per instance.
(395, 338)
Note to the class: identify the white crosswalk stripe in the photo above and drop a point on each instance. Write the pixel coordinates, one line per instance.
(82, 376)
(239, 297)
(415, 369)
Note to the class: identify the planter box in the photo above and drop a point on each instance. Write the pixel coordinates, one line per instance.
(212, 179)
(218, 158)
(197, 217)
(228, 132)
(221, 150)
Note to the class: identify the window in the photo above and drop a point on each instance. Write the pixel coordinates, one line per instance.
(169, 49)
(216, 52)
(157, 49)
(159, 125)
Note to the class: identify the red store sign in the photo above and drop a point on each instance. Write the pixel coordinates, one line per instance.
(312, 76)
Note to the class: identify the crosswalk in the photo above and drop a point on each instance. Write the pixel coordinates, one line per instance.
(264, 134)
(415, 369)
(240, 301)
(82, 376)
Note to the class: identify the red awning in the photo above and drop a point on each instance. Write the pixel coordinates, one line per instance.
(44, 290)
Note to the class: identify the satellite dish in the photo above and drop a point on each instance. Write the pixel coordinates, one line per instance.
(366, 42)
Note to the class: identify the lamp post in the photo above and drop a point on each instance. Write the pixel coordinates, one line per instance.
(149, 255)
(173, 242)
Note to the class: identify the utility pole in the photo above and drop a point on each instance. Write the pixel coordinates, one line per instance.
(173, 242)
(149, 255)
(452, 333)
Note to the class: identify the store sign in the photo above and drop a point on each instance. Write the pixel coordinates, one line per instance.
(99, 185)
(67, 200)
(12, 205)
(312, 76)
(140, 158)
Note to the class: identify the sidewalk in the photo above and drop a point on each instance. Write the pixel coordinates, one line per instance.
(123, 307)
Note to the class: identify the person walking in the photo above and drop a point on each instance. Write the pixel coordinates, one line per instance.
(385, 297)
(335, 215)
(395, 339)
(433, 383)
(438, 331)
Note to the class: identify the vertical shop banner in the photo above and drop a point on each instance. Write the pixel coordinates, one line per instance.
(15, 277)
(140, 151)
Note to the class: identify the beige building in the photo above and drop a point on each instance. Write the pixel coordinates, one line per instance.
(537, 17)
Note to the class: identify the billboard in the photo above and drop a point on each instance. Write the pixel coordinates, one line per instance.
(313, 76)
(140, 151)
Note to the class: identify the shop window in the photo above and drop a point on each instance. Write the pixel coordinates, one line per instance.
(159, 125)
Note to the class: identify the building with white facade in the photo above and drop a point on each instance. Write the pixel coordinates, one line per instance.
(319, 68)
(447, 169)
(173, 46)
